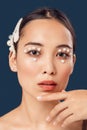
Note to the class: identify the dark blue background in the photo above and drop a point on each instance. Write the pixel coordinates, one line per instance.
(10, 12)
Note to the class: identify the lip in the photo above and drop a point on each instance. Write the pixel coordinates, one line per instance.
(47, 85)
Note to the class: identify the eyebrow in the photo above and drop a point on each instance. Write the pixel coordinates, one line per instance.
(40, 44)
(64, 45)
(33, 43)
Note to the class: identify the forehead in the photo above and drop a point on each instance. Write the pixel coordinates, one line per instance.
(46, 31)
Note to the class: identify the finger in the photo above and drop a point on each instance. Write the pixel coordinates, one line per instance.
(56, 110)
(63, 90)
(70, 119)
(53, 96)
(62, 115)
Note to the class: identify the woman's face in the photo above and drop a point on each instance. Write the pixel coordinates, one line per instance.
(44, 58)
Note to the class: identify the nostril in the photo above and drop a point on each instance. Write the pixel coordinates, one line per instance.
(44, 72)
(52, 73)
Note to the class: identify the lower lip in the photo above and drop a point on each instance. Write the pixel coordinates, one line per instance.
(48, 87)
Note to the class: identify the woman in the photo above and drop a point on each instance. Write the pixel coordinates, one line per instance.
(42, 52)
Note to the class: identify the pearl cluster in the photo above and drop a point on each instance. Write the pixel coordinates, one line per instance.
(64, 50)
(14, 37)
(32, 48)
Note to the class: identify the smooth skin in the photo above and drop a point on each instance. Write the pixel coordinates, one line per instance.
(33, 111)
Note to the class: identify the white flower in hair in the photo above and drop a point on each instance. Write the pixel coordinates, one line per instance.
(14, 37)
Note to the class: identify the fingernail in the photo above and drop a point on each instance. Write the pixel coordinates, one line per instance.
(63, 90)
(54, 123)
(48, 118)
(39, 98)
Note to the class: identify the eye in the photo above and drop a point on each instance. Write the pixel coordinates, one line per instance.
(34, 52)
(63, 55)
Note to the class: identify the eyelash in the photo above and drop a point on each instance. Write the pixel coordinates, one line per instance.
(34, 53)
(63, 55)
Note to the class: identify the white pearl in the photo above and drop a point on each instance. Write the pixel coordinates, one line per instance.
(64, 49)
(62, 61)
(34, 59)
(68, 50)
(59, 50)
(39, 49)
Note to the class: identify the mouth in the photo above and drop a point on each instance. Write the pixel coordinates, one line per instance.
(47, 85)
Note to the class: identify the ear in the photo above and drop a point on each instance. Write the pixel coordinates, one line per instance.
(74, 61)
(12, 62)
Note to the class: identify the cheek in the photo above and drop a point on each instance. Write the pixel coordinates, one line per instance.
(27, 70)
(68, 68)
(65, 73)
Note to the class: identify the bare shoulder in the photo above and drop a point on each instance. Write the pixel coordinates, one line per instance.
(4, 123)
(7, 121)
(2, 127)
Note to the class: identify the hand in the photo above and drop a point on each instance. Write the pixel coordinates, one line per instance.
(72, 108)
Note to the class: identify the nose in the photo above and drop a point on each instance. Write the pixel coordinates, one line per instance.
(49, 68)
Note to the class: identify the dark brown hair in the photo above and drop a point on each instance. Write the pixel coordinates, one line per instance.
(49, 13)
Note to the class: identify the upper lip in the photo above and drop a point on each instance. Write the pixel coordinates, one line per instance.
(47, 82)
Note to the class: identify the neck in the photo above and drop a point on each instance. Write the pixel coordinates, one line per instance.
(35, 111)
